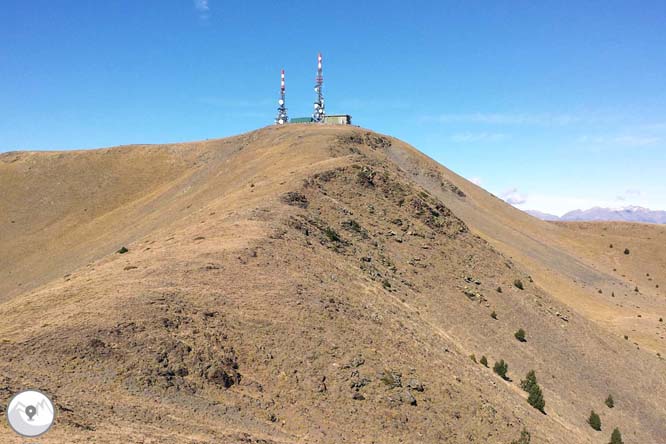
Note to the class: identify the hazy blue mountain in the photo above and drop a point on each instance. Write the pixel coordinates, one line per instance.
(623, 214)
(541, 215)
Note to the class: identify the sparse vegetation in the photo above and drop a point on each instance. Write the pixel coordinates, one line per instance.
(484, 361)
(535, 397)
(352, 225)
(626, 251)
(518, 284)
(501, 368)
(594, 421)
(366, 177)
(386, 284)
(610, 402)
(525, 438)
(122, 250)
(520, 335)
(616, 437)
(499, 289)
(529, 381)
(295, 199)
(493, 315)
(391, 379)
(331, 234)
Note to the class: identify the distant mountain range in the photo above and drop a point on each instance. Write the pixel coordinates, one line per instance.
(624, 214)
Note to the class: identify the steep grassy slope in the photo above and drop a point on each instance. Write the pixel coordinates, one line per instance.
(294, 284)
(570, 261)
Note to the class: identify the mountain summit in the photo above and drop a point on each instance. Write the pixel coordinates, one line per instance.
(315, 284)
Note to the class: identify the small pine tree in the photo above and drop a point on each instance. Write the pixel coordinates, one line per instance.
(610, 402)
(529, 381)
(484, 361)
(535, 398)
(520, 335)
(501, 368)
(525, 438)
(594, 421)
(473, 357)
(616, 437)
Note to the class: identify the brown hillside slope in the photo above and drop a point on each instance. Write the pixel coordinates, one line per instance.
(291, 285)
(573, 262)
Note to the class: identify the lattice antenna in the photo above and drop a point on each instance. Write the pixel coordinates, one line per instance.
(319, 108)
(282, 117)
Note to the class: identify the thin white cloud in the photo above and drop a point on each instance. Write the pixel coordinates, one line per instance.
(514, 197)
(637, 140)
(630, 194)
(201, 5)
(622, 140)
(203, 8)
(518, 119)
(478, 137)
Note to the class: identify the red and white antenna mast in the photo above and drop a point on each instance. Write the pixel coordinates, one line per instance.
(282, 117)
(319, 108)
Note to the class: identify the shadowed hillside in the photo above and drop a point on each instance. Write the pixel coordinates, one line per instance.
(305, 284)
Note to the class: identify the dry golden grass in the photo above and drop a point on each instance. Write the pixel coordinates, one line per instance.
(277, 283)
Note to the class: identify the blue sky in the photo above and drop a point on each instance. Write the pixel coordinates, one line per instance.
(552, 105)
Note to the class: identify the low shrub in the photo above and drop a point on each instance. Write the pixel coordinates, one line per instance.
(610, 402)
(520, 335)
(331, 234)
(594, 421)
(616, 437)
(525, 438)
(501, 368)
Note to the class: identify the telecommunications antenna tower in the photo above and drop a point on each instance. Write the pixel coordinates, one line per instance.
(282, 117)
(319, 110)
